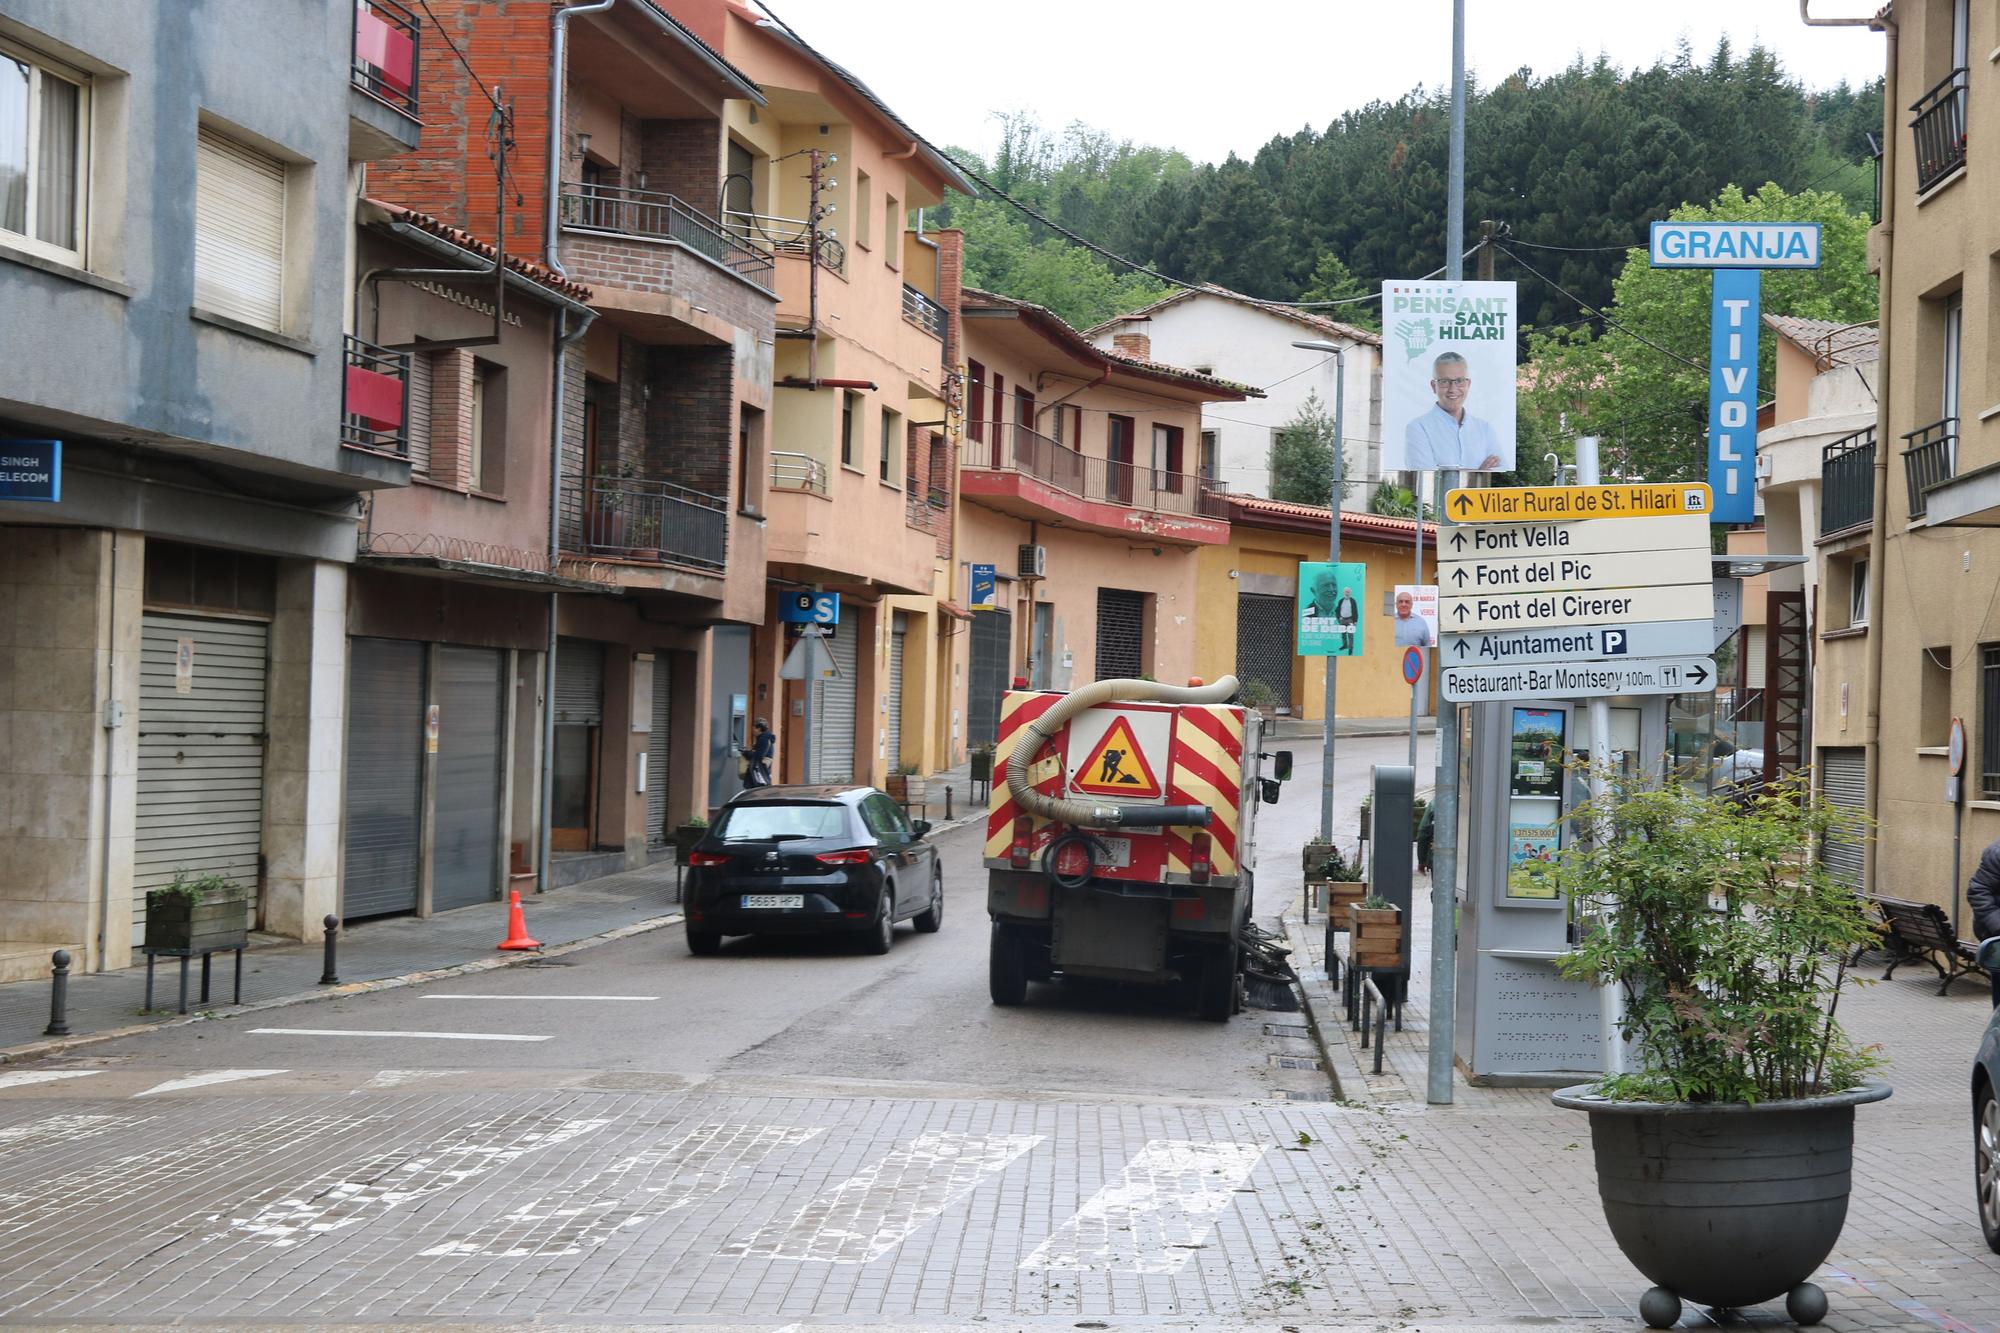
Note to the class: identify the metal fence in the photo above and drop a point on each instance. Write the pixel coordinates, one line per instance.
(797, 472)
(387, 43)
(1847, 482)
(632, 519)
(1938, 128)
(1018, 449)
(662, 217)
(1929, 460)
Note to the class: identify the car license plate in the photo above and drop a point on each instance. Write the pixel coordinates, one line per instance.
(751, 900)
(1117, 852)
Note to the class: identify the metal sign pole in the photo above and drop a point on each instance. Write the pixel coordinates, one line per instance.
(1587, 474)
(1423, 675)
(1333, 545)
(1444, 847)
(811, 633)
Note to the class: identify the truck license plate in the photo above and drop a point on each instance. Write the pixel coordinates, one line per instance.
(751, 900)
(1117, 852)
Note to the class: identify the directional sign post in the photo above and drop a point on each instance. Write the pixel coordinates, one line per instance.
(1577, 680)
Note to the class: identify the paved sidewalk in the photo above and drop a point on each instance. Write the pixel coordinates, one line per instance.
(369, 952)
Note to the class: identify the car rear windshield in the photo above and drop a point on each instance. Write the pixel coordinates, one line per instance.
(761, 820)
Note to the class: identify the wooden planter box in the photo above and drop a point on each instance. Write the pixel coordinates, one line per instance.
(1377, 935)
(1341, 895)
(898, 788)
(1315, 857)
(173, 923)
(685, 837)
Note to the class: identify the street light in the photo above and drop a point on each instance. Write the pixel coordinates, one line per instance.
(1339, 355)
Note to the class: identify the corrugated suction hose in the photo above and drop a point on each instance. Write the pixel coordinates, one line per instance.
(1084, 814)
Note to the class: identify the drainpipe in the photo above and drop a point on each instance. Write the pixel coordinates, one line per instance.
(109, 720)
(565, 338)
(1878, 537)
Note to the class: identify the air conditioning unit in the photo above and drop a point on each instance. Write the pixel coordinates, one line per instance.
(1033, 562)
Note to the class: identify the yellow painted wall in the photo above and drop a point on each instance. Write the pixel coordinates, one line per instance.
(1370, 685)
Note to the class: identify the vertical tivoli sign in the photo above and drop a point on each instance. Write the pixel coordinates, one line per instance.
(1737, 251)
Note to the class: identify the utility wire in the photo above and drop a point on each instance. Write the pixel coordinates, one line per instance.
(1587, 306)
(474, 75)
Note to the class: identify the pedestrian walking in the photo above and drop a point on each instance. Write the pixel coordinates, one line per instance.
(757, 756)
(1982, 895)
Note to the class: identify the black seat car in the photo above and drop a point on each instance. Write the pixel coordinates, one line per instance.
(812, 860)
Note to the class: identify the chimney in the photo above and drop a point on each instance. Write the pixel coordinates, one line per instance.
(1138, 345)
(951, 290)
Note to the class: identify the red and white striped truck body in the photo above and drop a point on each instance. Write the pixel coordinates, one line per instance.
(1161, 904)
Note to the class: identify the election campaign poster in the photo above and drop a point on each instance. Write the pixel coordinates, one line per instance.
(1330, 598)
(1415, 615)
(1448, 376)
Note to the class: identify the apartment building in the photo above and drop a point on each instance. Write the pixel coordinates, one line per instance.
(827, 179)
(175, 241)
(1910, 610)
(1080, 489)
(614, 180)
(1220, 332)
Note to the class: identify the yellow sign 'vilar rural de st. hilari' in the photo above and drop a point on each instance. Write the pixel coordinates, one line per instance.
(1545, 504)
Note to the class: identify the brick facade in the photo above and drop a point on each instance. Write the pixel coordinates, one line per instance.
(665, 269)
(682, 158)
(691, 417)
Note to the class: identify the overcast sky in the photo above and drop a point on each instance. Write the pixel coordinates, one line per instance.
(1214, 76)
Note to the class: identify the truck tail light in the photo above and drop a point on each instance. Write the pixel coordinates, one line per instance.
(859, 856)
(1190, 910)
(708, 858)
(1073, 861)
(1020, 855)
(1201, 859)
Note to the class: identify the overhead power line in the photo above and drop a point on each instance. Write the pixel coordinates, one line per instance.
(1591, 309)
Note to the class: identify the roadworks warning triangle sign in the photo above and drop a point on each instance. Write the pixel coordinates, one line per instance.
(1118, 767)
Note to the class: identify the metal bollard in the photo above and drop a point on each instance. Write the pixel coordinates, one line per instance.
(329, 976)
(947, 805)
(59, 997)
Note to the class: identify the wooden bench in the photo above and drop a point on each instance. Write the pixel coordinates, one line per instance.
(1915, 930)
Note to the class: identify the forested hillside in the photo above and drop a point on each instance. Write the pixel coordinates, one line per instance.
(1580, 159)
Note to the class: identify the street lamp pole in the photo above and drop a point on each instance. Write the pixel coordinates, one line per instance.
(1339, 354)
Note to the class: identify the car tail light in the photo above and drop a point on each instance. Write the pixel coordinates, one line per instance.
(1201, 860)
(860, 856)
(708, 858)
(1021, 854)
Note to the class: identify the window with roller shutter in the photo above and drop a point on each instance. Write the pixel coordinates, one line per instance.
(239, 231)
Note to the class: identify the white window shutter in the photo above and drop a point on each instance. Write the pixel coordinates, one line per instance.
(239, 232)
(419, 426)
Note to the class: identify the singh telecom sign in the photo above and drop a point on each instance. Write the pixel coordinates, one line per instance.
(31, 470)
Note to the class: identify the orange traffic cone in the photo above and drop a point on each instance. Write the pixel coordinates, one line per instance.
(517, 926)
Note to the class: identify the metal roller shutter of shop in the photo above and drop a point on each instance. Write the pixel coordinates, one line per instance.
(1264, 644)
(1121, 634)
(471, 717)
(383, 838)
(201, 756)
(1843, 781)
(833, 715)
(579, 683)
(992, 645)
(657, 751)
(897, 637)
(422, 368)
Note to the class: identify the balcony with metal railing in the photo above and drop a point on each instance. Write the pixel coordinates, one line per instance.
(649, 522)
(925, 313)
(1019, 470)
(385, 59)
(1930, 457)
(791, 471)
(602, 223)
(1938, 130)
(375, 399)
(1847, 483)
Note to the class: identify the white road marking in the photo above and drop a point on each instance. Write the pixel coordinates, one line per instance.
(396, 1078)
(701, 1163)
(386, 1032)
(869, 1213)
(542, 997)
(209, 1079)
(390, 1181)
(1150, 1219)
(26, 1076)
(59, 1129)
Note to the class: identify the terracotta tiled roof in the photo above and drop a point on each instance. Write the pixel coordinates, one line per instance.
(1284, 514)
(1059, 330)
(1333, 328)
(1831, 343)
(465, 240)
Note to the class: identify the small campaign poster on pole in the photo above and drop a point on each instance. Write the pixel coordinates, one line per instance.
(1415, 618)
(1330, 598)
(1448, 376)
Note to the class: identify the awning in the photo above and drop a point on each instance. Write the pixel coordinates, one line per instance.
(953, 609)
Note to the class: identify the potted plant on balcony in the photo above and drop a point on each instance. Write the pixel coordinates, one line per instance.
(1723, 1157)
(645, 535)
(196, 913)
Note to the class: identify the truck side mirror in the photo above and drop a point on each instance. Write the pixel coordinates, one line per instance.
(1281, 766)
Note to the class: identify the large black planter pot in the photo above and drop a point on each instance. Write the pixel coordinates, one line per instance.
(1725, 1205)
